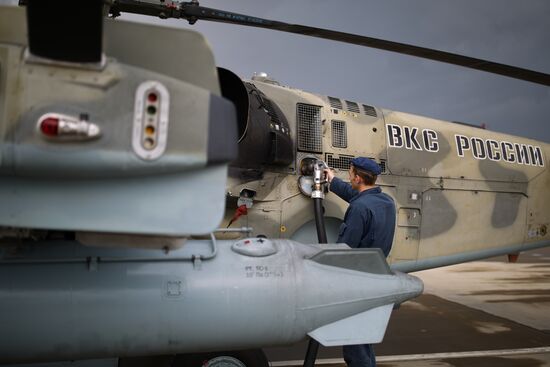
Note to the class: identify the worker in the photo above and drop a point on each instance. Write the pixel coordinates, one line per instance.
(369, 222)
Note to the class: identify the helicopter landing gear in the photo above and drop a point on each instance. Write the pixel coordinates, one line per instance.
(245, 358)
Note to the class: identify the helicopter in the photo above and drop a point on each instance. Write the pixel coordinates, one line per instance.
(97, 216)
(335, 130)
(444, 177)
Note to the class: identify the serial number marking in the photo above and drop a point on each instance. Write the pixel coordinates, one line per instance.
(262, 271)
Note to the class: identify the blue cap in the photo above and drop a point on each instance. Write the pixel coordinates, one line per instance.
(367, 164)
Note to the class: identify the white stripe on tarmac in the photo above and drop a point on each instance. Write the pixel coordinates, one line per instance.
(422, 357)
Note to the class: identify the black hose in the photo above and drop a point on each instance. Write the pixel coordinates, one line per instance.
(313, 346)
(320, 220)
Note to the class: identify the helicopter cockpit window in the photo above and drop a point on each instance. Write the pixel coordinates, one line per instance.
(339, 134)
(309, 128)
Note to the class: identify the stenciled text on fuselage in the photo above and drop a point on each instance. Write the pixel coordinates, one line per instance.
(414, 138)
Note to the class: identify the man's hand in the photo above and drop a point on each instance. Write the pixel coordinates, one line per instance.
(329, 174)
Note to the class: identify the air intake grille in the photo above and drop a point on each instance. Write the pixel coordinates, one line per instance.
(342, 162)
(369, 110)
(382, 165)
(352, 106)
(339, 134)
(335, 102)
(309, 128)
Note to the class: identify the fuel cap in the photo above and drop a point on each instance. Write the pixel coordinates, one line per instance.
(255, 247)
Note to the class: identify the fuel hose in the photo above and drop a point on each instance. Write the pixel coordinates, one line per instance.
(313, 345)
(320, 220)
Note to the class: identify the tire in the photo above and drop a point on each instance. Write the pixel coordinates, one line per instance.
(244, 358)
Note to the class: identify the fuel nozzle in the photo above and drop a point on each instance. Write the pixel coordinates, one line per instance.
(319, 180)
(313, 181)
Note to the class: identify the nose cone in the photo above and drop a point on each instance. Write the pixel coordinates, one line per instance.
(412, 286)
(416, 284)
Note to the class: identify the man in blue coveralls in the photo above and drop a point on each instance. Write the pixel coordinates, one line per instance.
(369, 222)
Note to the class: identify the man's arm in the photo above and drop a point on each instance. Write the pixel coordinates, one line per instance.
(342, 189)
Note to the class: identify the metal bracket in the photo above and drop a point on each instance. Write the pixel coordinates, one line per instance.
(197, 262)
(239, 229)
(92, 263)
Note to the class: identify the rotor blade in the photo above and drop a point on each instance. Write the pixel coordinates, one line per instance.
(193, 12)
(426, 53)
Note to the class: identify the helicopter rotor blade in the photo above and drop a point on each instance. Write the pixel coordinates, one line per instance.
(193, 12)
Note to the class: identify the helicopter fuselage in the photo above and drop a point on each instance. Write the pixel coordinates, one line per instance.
(462, 192)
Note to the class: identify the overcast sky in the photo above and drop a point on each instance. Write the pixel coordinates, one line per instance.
(510, 32)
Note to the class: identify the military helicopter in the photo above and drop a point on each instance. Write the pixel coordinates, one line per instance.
(110, 164)
(463, 193)
(266, 176)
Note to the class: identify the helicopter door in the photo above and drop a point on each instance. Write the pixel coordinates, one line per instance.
(407, 234)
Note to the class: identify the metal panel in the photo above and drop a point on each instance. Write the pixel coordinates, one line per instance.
(309, 128)
(146, 205)
(409, 217)
(350, 330)
(370, 260)
(124, 41)
(499, 216)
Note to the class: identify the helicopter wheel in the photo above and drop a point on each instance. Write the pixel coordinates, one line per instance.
(244, 358)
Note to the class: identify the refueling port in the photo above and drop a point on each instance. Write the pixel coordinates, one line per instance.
(319, 180)
(312, 183)
(307, 166)
(245, 202)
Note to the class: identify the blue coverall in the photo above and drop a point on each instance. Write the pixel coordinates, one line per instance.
(369, 222)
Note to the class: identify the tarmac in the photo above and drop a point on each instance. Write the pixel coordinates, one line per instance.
(483, 313)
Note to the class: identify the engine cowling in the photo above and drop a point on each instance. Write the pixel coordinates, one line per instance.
(264, 133)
